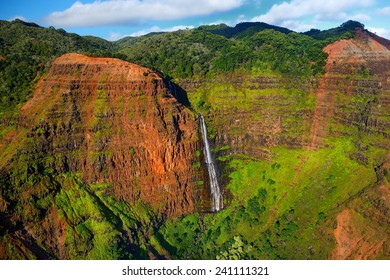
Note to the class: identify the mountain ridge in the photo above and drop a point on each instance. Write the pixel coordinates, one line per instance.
(101, 158)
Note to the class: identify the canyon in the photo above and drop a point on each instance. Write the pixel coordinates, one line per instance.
(253, 115)
(112, 160)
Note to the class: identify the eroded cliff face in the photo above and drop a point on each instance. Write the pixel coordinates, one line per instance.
(255, 118)
(116, 123)
(249, 114)
(356, 101)
(355, 89)
(253, 113)
(353, 99)
(117, 128)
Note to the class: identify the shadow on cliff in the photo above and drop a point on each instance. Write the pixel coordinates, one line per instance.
(179, 93)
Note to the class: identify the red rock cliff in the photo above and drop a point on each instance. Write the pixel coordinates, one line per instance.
(116, 123)
(358, 67)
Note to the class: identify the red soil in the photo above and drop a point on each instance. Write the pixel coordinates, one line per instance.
(134, 133)
(353, 241)
(345, 59)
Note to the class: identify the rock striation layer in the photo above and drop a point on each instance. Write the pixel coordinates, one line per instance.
(254, 118)
(253, 113)
(355, 87)
(116, 123)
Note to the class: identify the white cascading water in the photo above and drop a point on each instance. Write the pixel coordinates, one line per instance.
(216, 196)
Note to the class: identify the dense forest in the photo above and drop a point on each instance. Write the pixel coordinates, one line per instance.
(26, 50)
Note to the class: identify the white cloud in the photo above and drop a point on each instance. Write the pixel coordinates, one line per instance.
(159, 29)
(18, 17)
(114, 36)
(241, 18)
(219, 21)
(113, 12)
(385, 11)
(360, 17)
(296, 9)
(232, 22)
(383, 32)
(257, 3)
(297, 26)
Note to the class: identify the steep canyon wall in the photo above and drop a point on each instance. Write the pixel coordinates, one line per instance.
(117, 128)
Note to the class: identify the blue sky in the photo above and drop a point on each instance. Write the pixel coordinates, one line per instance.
(113, 19)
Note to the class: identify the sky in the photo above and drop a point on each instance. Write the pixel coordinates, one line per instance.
(115, 19)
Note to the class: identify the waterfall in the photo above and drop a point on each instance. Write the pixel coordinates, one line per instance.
(216, 196)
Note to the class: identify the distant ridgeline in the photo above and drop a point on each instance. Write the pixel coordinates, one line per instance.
(26, 49)
(104, 158)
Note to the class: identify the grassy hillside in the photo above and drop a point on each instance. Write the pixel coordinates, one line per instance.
(283, 200)
(256, 86)
(282, 207)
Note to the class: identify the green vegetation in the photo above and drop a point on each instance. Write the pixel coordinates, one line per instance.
(27, 49)
(344, 31)
(196, 53)
(280, 208)
(25, 53)
(95, 225)
(281, 200)
(243, 29)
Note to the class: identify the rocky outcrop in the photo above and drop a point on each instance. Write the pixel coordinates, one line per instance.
(362, 229)
(355, 88)
(116, 123)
